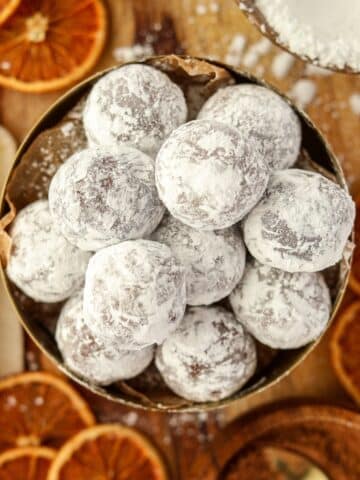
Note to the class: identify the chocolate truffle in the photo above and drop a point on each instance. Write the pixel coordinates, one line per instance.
(209, 357)
(214, 261)
(43, 264)
(96, 360)
(209, 175)
(100, 197)
(260, 112)
(134, 291)
(135, 104)
(301, 224)
(281, 309)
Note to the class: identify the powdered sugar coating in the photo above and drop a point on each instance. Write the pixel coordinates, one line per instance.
(209, 357)
(214, 261)
(43, 264)
(281, 309)
(208, 175)
(260, 112)
(135, 104)
(102, 196)
(301, 224)
(135, 291)
(97, 360)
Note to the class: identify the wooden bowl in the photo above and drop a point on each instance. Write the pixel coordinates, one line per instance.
(199, 79)
(254, 14)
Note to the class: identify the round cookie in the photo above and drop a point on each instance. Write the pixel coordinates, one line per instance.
(43, 264)
(301, 224)
(134, 291)
(209, 176)
(281, 309)
(92, 358)
(209, 357)
(135, 105)
(260, 112)
(102, 196)
(214, 261)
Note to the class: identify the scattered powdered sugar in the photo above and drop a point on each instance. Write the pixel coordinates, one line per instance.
(303, 92)
(97, 360)
(209, 175)
(209, 357)
(43, 264)
(325, 30)
(102, 196)
(257, 112)
(282, 310)
(201, 9)
(136, 105)
(302, 223)
(255, 52)
(214, 261)
(134, 291)
(235, 50)
(133, 52)
(354, 102)
(281, 64)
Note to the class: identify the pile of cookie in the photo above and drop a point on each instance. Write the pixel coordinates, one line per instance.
(183, 241)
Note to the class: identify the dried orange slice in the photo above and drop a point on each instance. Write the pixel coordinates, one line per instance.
(107, 451)
(345, 349)
(354, 280)
(40, 409)
(7, 7)
(47, 45)
(30, 463)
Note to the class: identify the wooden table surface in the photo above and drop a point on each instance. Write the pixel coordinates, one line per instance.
(215, 29)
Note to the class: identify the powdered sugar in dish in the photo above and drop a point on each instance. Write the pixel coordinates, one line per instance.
(134, 291)
(97, 360)
(214, 261)
(209, 357)
(280, 309)
(327, 31)
(43, 264)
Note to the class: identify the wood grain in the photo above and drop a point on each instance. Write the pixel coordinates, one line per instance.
(207, 28)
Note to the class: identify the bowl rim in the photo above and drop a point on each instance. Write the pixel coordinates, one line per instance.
(244, 394)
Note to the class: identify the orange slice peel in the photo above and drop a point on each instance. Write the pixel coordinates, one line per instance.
(345, 349)
(7, 8)
(47, 45)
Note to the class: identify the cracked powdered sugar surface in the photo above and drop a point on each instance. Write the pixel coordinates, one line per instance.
(97, 360)
(43, 264)
(301, 224)
(281, 309)
(136, 105)
(214, 261)
(209, 175)
(209, 357)
(102, 196)
(134, 291)
(260, 113)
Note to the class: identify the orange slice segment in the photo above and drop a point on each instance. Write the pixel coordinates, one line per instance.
(108, 451)
(40, 409)
(7, 7)
(345, 349)
(47, 45)
(354, 280)
(26, 463)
